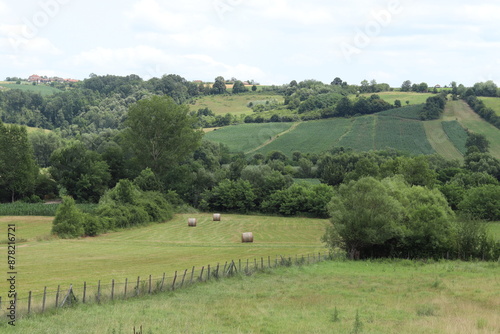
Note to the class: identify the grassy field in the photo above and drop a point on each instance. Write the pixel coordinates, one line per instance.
(234, 104)
(461, 112)
(45, 261)
(414, 98)
(42, 89)
(442, 143)
(492, 102)
(389, 297)
(408, 112)
(457, 134)
(245, 137)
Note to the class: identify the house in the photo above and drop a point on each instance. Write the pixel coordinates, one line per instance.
(35, 78)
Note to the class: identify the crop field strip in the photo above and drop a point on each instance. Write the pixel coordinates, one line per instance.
(441, 142)
(153, 249)
(42, 89)
(245, 137)
(461, 112)
(457, 134)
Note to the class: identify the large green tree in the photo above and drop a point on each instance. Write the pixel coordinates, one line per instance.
(161, 133)
(81, 172)
(18, 170)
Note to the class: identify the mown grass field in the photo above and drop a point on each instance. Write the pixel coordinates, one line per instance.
(152, 250)
(492, 102)
(388, 296)
(414, 98)
(235, 104)
(42, 89)
(461, 112)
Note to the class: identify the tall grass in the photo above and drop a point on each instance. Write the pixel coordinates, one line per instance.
(38, 209)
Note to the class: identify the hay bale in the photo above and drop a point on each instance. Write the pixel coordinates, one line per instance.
(247, 237)
(192, 222)
(216, 217)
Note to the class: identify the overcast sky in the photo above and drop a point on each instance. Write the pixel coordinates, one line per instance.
(270, 41)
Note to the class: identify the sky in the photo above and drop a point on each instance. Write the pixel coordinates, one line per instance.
(269, 41)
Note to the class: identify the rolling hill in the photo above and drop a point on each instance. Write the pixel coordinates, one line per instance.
(398, 129)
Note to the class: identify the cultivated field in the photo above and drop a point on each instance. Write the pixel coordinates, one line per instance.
(42, 89)
(364, 133)
(235, 104)
(388, 296)
(155, 249)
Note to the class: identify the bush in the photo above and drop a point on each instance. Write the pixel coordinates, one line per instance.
(482, 202)
(69, 220)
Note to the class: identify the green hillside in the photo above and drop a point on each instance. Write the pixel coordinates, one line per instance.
(492, 102)
(42, 89)
(235, 104)
(412, 97)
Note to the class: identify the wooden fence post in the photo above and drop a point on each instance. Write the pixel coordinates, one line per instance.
(84, 292)
(239, 265)
(261, 263)
(99, 292)
(183, 277)
(246, 271)
(269, 261)
(149, 290)
(125, 290)
(173, 282)
(192, 275)
(112, 289)
(137, 287)
(162, 282)
(201, 274)
(57, 296)
(29, 302)
(44, 298)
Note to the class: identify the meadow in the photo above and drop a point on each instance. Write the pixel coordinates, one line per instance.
(414, 98)
(155, 249)
(44, 90)
(235, 104)
(391, 296)
(492, 102)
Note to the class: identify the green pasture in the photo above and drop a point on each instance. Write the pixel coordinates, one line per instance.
(441, 142)
(235, 104)
(414, 98)
(152, 250)
(387, 297)
(493, 103)
(42, 89)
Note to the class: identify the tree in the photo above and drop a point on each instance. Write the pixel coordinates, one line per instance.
(18, 170)
(397, 103)
(230, 196)
(239, 87)
(406, 86)
(337, 81)
(344, 107)
(81, 172)
(161, 133)
(478, 140)
(363, 215)
(482, 202)
(69, 220)
(44, 144)
(219, 86)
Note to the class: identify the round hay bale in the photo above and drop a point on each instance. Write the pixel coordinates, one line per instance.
(247, 237)
(192, 222)
(216, 217)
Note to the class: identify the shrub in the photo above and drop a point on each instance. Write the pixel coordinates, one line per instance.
(69, 220)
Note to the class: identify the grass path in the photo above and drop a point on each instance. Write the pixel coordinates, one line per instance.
(440, 142)
(460, 111)
(293, 127)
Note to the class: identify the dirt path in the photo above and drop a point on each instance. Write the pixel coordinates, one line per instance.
(294, 125)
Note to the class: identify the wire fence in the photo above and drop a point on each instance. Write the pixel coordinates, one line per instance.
(103, 292)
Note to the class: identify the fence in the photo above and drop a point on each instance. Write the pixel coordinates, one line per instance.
(120, 290)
